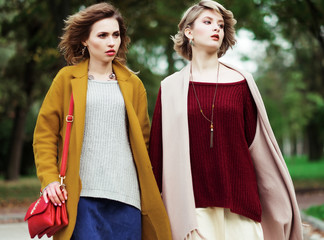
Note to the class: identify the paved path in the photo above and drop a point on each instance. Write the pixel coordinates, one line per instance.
(15, 231)
(305, 200)
(19, 231)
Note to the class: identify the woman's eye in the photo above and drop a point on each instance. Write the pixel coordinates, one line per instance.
(116, 34)
(221, 26)
(102, 35)
(207, 22)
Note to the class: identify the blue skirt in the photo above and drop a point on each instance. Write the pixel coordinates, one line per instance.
(104, 219)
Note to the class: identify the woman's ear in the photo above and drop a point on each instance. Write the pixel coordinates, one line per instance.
(188, 33)
(84, 44)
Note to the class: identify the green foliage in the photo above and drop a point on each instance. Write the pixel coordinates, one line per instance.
(251, 15)
(294, 66)
(316, 211)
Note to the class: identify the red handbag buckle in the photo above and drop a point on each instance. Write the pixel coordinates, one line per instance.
(69, 118)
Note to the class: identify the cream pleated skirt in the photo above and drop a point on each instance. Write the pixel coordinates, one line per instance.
(221, 224)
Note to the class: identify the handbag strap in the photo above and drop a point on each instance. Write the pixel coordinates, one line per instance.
(69, 120)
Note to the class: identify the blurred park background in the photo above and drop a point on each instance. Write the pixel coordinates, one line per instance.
(280, 41)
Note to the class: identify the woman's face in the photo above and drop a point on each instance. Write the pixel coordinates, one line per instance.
(104, 40)
(207, 31)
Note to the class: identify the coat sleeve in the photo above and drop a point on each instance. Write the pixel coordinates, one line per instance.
(280, 212)
(155, 149)
(47, 135)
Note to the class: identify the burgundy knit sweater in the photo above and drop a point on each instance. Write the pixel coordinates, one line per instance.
(222, 176)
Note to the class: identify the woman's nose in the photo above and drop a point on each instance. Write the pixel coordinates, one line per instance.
(111, 42)
(216, 28)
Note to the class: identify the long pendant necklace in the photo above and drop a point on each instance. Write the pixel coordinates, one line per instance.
(211, 120)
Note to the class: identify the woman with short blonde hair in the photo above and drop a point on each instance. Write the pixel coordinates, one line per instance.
(181, 42)
(214, 155)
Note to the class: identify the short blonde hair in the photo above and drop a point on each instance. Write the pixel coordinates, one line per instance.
(78, 27)
(181, 42)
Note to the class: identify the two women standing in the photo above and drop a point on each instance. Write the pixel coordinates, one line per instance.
(214, 155)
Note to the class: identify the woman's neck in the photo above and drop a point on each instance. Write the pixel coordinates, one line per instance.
(100, 68)
(100, 71)
(205, 67)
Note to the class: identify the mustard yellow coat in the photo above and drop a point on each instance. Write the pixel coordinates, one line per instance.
(49, 136)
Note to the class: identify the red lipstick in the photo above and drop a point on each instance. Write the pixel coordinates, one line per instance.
(215, 37)
(110, 52)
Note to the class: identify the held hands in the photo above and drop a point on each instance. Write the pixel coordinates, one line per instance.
(55, 193)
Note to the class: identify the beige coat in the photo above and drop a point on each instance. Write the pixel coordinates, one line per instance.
(49, 136)
(280, 213)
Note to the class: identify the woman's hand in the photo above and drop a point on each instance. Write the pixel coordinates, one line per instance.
(55, 193)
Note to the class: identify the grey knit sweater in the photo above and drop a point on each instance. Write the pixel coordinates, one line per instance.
(107, 169)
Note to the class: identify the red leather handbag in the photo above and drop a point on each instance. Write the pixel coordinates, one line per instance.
(45, 218)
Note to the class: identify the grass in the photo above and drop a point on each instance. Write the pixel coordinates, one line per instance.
(18, 193)
(316, 211)
(301, 168)
(306, 174)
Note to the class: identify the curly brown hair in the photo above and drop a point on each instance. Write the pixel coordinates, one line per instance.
(181, 42)
(78, 27)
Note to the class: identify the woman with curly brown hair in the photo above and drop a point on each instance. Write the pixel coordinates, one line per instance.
(214, 155)
(110, 190)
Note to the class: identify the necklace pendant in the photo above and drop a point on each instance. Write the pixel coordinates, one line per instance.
(90, 77)
(211, 135)
(213, 104)
(112, 76)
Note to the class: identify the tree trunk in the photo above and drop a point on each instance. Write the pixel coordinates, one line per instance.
(169, 52)
(60, 10)
(293, 145)
(17, 142)
(18, 131)
(315, 145)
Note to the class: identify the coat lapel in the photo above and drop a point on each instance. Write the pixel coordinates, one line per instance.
(123, 75)
(79, 89)
(177, 187)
